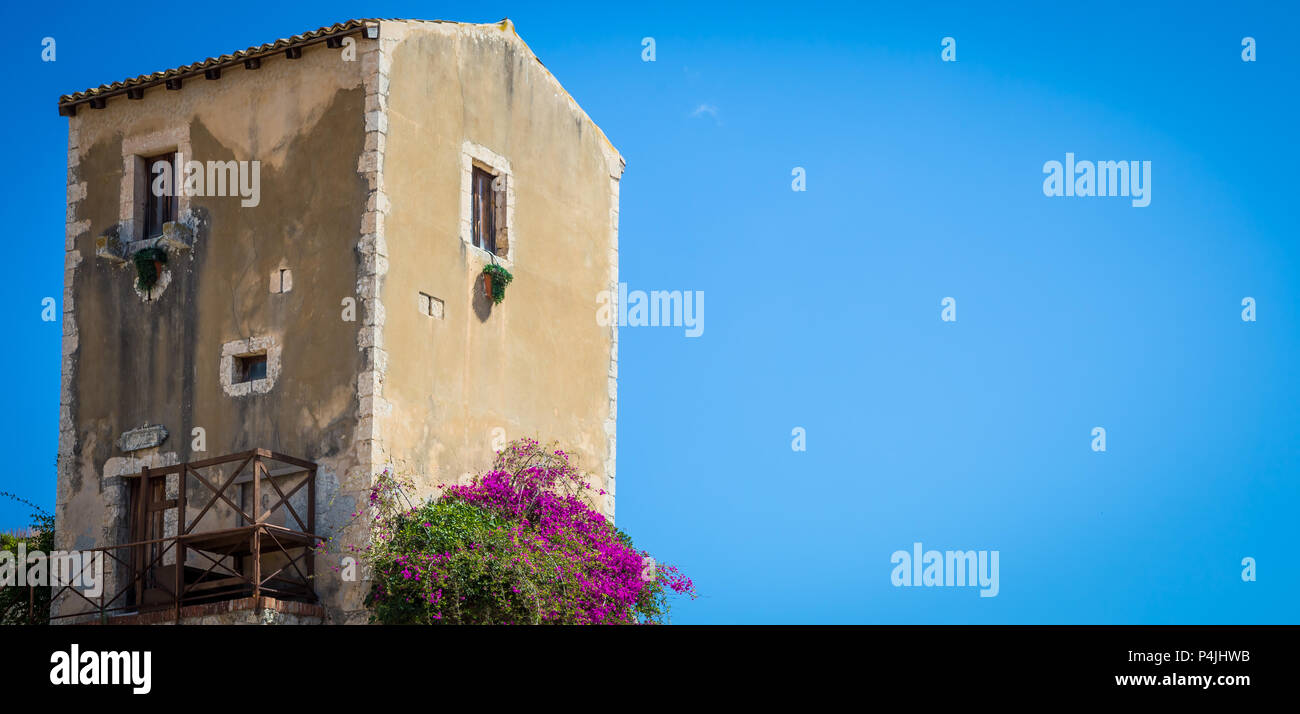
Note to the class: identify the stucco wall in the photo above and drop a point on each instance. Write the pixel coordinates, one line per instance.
(539, 364)
(132, 362)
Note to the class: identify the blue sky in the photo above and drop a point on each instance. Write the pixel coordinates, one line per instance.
(924, 181)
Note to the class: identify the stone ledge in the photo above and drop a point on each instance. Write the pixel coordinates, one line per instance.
(301, 613)
(176, 238)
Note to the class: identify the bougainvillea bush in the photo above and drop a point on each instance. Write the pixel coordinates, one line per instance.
(520, 544)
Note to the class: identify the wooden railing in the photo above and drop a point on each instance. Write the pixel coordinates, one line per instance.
(234, 555)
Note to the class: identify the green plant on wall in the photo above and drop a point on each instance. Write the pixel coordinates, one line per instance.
(148, 265)
(26, 605)
(497, 279)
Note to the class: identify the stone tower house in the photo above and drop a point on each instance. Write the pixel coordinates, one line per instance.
(321, 295)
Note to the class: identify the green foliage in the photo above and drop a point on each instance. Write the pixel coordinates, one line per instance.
(27, 606)
(500, 279)
(441, 526)
(519, 544)
(480, 578)
(146, 272)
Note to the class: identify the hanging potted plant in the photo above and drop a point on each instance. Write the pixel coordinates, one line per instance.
(148, 266)
(495, 280)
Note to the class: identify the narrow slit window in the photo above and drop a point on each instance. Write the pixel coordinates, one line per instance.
(250, 368)
(484, 198)
(159, 209)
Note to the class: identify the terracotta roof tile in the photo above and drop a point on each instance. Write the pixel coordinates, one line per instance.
(195, 68)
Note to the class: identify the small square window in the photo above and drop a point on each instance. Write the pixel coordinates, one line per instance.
(250, 368)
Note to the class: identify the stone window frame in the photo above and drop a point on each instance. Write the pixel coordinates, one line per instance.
(245, 348)
(135, 180)
(499, 166)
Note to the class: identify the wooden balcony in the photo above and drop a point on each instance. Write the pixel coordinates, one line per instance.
(234, 547)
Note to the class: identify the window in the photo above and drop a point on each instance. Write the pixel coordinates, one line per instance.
(484, 202)
(145, 153)
(487, 204)
(249, 368)
(159, 209)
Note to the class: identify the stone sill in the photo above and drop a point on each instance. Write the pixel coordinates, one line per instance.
(483, 257)
(176, 238)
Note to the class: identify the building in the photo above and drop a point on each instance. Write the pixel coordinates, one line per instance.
(319, 295)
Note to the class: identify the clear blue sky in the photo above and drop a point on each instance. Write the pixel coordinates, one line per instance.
(924, 180)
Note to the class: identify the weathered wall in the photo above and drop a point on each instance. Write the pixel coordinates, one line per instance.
(131, 362)
(361, 181)
(537, 365)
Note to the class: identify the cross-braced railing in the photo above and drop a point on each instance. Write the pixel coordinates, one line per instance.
(252, 555)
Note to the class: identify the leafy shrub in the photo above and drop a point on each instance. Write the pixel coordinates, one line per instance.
(518, 545)
(27, 606)
(146, 271)
(500, 279)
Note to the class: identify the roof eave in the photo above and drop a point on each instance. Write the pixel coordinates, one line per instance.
(211, 68)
